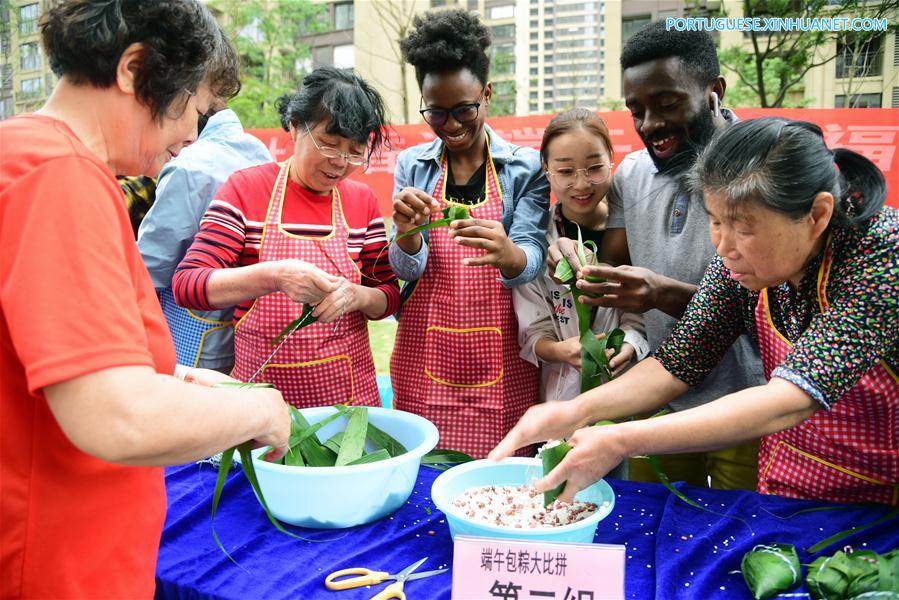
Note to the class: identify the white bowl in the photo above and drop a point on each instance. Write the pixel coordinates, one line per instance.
(339, 497)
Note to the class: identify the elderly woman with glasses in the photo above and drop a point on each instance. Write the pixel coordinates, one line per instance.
(278, 238)
(576, 153)
(456, 355)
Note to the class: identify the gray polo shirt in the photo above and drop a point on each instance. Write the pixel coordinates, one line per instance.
(668, 233)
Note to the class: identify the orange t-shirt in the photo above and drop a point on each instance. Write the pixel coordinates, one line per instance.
(75, 298)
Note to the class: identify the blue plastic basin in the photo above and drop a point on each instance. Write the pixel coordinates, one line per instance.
(513, 471)
(338, 497)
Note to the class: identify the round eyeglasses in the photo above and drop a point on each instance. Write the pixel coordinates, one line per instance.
(594, 174)
(329, 152)
(462, 113)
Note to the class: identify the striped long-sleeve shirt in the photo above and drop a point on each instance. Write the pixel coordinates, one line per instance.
(231, 232)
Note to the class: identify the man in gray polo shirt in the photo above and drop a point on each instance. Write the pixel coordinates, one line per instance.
(673, 87)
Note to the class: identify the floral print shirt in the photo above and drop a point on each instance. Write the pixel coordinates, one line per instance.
(831, 350)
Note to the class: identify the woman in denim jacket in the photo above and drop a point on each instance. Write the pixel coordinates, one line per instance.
(456, 356)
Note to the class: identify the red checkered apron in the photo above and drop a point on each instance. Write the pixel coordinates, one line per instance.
(849, 453)
(322, 363)
(456, 360)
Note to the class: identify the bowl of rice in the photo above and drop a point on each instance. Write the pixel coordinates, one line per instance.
(484, 498)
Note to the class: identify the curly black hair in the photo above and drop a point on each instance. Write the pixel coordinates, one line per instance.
(350, 105)
(696, 49)
(445, 41)
(183, 47)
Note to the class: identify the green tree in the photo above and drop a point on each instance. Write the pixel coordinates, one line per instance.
(267, 35)
(773, 64)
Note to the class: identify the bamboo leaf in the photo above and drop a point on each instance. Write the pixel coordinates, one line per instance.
(246, 462)
(440, 456)
(333, 442)
(304, 319)
(431, 225)
(224, 467)
(382, 440)
(455, 212)
(552, 456)
(847, 532)
(294, 458)
(581, 254)
(301, 429)
(353, 443)
(563, 271)
(376, 456)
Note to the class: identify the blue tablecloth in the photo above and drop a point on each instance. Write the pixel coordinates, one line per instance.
(673, 550)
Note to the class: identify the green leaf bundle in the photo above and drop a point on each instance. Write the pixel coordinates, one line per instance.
(552, 454)
(847, 575)
(770, 569)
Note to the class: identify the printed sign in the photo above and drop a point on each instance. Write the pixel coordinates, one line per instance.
(487, 569)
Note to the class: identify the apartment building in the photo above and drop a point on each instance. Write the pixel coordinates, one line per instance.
(25, 76)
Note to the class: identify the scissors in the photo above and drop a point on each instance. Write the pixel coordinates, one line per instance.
(369, 577)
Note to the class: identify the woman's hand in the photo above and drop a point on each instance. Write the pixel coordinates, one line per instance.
(619, 362)
(411, 208)
(489, 236)
(541, 422)
(304, 282)
(562, 248)
(277, 432)
(349, 297)
(206, 377)
(594, 452)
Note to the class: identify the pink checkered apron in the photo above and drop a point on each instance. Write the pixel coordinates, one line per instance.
(849, 453)
(320, 365)
(456, 360)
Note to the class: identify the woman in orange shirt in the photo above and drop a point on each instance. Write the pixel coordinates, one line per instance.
(90, 407)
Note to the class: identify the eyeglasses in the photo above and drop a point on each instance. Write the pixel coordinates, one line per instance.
(329, 152)
(594, 174)
(463, 113)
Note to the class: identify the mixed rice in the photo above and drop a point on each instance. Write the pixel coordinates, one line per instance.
(520, 507)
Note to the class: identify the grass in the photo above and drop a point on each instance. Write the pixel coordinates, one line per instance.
(382, 334)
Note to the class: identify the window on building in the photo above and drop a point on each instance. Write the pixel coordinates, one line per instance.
(631, 25)
(30, 87)
(535, 11)
(345, 56)
(505, 11)
(28, 19)
(502, 31)
(896, 97)
(344, 16)
(321, 57)
(5, 108)
(535, 47)
(547, 70)
(472, 5)
(858, 101)
(548, 82)
(860, 59)
(547, 45)
(533, 107)
(29, 57)
(438, 3)
(535, 23)
(534, 71)
(533, 96)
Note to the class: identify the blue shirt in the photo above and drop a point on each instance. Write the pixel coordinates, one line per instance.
(185, 187)
(525, 202)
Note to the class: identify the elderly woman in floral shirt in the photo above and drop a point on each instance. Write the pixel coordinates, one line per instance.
(807, 265)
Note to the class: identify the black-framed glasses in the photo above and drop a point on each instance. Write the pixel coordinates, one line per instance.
(462, 113)
(594, 174)
(328, 152)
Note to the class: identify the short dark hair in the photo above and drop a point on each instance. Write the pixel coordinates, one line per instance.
(696, 49)
(183, 47)
(352, 108)
(575, 118)
(447, 41)
(783, 164)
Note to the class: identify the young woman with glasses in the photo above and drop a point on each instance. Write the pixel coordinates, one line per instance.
(456, 355)
(280, 236)
(576, 153)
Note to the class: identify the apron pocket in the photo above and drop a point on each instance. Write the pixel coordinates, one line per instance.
(465, 358)
(321, 382)
(795, 473)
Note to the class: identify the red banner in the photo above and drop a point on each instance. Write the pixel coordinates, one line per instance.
(870, 131)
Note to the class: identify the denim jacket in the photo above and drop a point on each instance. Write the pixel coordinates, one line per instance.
(525, 202)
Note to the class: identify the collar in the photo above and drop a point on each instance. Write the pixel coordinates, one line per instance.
(500, 149)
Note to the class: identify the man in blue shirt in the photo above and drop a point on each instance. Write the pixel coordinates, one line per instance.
(185, 188)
